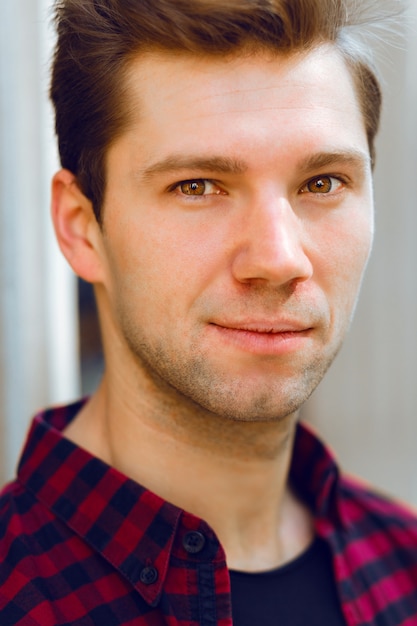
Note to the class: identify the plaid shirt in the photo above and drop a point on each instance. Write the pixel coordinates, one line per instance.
(82, 544)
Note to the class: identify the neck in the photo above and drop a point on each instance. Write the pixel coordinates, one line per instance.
(232, 474)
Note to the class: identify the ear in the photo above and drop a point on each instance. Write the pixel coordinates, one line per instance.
(78, 233)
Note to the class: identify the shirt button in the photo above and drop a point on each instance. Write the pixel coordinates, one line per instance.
(148, 575)
(193, 542)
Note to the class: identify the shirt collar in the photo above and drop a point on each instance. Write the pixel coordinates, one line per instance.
(315, 476)
(129, 525)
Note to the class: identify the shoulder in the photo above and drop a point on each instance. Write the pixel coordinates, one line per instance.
(15, 503)
(38, 559)
(28, 532)
(361, 501)
(22, 519)
(377, 528)
(17, 540)
(375, 553)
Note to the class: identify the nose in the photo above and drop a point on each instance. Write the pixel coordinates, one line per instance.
(271, 245)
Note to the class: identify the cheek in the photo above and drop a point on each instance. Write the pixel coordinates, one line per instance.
(343, 252)
(158, 270)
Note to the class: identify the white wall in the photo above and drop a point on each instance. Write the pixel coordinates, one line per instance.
(38, 324)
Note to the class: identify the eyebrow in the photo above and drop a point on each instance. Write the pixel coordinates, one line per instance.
(355, 158)
(178, 162)
(226, 165)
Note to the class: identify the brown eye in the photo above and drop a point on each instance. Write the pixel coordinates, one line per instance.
(193, 188)
(323, 184)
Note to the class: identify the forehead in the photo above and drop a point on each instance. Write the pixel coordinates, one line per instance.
(177, 100)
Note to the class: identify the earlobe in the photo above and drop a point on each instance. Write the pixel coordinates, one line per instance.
(76, 228)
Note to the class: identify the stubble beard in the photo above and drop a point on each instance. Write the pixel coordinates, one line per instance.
(192, 383)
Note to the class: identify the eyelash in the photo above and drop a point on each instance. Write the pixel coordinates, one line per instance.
(302, 190)
(340, 180)
(206, 181)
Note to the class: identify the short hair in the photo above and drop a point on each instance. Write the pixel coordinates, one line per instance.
(97, 39)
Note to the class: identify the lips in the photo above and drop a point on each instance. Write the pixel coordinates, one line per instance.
(264, 337)
(265, 327)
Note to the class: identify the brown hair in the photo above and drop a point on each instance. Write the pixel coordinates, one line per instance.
(98, 38)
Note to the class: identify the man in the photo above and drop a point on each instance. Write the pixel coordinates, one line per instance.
(217, 192)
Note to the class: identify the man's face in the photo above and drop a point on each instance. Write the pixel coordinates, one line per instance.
(237, 224)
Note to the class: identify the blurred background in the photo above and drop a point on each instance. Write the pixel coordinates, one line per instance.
(49, 342)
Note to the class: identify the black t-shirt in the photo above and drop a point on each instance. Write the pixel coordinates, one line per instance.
(301, 593)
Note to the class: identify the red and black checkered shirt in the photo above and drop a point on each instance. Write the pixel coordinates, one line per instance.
(82, 544)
